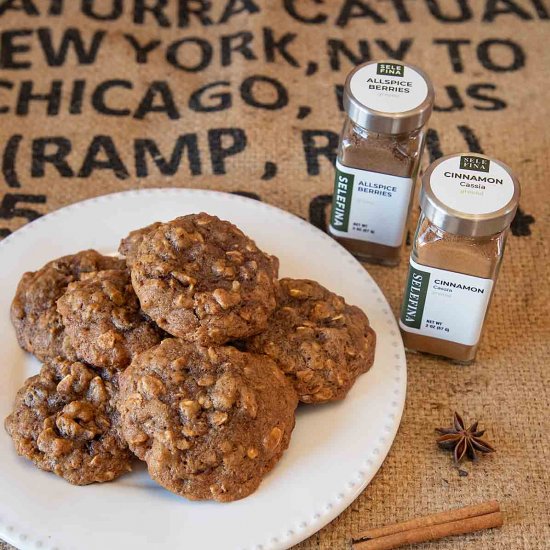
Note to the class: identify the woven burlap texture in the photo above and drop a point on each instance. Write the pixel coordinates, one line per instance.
(283, 104)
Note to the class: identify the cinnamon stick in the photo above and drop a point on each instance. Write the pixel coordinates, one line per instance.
(436, 526)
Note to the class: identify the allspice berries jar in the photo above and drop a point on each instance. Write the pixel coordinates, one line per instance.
(387, 105)
(468, 202)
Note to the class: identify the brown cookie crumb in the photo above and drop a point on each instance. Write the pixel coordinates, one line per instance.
(209, 421)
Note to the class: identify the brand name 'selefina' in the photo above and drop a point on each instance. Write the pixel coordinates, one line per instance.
(474, 163)
(391, 69)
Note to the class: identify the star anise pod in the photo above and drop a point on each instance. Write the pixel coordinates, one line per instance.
(463, 441)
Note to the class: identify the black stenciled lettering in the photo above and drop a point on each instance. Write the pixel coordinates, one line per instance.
(10, 46)
(296, 11)
(205, 54)
(456, 104)
(453, 50)
(99, 97)
(339, 92)
(250, 96)
(318, 211)
(486, 57)
(395, 53)
(541, 9)
(142, 50)
(353, 9)
(153, 7)
(9, 210)
(494, 103)
(336, 48)
(495, 8)
(9, 159)
(89, 9)
(197, 8)
(76, 97)
(433, 145)
(238, 42)
(59, 148)
(314, 149)
(279, 46)
(148, 147)
(401, 10)
(221, 99)
(459, 13)
(19, 5)
(157, 89)
(103, 146)
(220, 151)
(71, 39)
(27, 94)
(6, 85)
(56, 7)
(471, 139)
(234, 7)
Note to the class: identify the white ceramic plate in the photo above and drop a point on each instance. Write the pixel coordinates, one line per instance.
(335, 449)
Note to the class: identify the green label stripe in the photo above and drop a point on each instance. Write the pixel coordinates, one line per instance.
(341, 200)
(415, 297)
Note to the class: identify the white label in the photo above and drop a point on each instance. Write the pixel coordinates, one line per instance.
(472, 185)
(388, 87)
(445, 304)
(370, 206)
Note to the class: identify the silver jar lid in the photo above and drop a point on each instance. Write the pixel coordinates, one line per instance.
(469, 194)
(388, 97)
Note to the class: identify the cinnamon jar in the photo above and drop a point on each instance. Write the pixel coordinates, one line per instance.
(468, 202)
(387, 107)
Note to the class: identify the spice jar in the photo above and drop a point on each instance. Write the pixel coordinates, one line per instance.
(468, 202)
(387, 105)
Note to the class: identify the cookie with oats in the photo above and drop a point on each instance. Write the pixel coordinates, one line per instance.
(202, 279)
(103, 321)
(321, 343)
(65, 421)
(210, 422)
(38, 324)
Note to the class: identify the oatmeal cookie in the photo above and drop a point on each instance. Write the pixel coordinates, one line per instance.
(65, 421)
(129, 245)
(103, 322)
(34, 315)
(321, 343)
(202, 279)
(209, 421)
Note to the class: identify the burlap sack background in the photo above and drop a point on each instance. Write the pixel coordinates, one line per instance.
(503, 54)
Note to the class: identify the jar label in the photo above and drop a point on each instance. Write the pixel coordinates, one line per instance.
(472, 185)
(388, 87)
(370, 206)
(445, 304)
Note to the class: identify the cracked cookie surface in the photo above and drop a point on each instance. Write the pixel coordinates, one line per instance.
(129, 245)
(65, 421)
(103, 321)
(209, 421)
(321, 343)
(38, 325)
(201, 279)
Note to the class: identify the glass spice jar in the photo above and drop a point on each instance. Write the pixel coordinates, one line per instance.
(468, 202)
(387, 105)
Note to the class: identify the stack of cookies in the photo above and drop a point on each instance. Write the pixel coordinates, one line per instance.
(188, 353)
